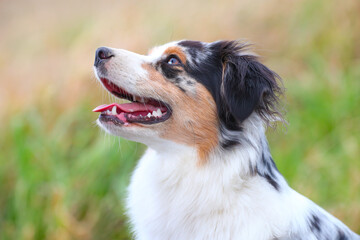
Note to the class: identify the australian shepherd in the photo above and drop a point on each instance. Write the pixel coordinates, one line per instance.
(202, 109)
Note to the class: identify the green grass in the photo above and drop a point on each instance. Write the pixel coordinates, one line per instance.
(319, 153)
(62, 179)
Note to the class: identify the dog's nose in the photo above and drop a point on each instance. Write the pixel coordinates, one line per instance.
(102, 54)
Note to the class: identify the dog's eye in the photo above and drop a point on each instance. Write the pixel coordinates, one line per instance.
(173, 61)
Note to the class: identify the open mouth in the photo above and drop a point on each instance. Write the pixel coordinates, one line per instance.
(139, 110)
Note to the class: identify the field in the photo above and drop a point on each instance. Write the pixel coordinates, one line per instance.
(62, 178)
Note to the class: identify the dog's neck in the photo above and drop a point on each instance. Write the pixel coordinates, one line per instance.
(250, 157)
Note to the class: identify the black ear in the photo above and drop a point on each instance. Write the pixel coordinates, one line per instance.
(248, 85)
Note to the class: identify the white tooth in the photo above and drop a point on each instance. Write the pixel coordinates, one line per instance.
(131, 110)
(108, 111)
(134, 98)
(159, 112)
(113, 111)
(154, 113)
(149, 115)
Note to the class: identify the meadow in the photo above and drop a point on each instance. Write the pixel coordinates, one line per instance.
(62, 178)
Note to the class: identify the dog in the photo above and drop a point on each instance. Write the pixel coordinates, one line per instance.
(202, 110)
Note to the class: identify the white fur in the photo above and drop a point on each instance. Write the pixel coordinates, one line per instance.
(172, 198)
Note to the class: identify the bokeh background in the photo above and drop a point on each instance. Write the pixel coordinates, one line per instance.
(62, 178)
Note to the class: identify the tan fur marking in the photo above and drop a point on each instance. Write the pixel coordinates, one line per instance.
(194, 120)
(177, 51)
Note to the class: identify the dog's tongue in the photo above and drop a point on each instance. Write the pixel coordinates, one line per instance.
(129, 107)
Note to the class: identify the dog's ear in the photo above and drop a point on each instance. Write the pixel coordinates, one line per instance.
(248, 85)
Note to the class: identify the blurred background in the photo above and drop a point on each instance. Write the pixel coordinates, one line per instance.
(62, 178)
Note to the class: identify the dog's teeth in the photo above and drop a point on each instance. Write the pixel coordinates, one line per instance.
(134, 98)
(149, 115)
(154, 113)
(159, 113)
(113, 111)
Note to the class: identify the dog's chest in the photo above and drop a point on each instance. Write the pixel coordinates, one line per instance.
(170, 200)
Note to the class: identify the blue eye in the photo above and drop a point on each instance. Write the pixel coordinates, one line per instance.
(173, 61)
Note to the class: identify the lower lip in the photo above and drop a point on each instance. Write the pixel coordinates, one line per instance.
(113, 119)
(119, 122)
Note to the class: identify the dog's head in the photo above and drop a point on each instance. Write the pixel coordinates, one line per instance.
(188, 92)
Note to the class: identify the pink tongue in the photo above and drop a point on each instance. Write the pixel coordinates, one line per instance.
(101, 108)
(130, 107)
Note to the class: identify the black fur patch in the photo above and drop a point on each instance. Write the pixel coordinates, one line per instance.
(247, 85)
(228, 143)
(267, 169)
(169, 71)
(315, 224)
(190, 83)
(272, 181)
(341, 236)
(178, 80)
(192, 47)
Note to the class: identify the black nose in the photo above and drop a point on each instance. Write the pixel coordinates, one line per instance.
(102, 54)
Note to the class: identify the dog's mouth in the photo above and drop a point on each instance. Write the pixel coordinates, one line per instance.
(139, 110)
